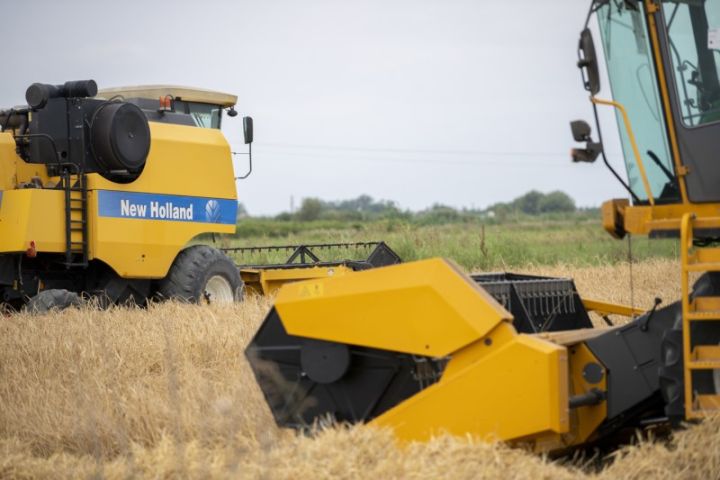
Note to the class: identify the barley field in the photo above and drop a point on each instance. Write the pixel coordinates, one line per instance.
(165, 392)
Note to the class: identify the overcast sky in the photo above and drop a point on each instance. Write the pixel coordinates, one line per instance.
(464, 103)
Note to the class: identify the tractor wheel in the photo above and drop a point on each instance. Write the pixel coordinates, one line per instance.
(202, 274)
(52, 299)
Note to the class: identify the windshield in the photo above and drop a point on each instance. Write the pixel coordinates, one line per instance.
(694, 37)
(631, 72)
(204, 115)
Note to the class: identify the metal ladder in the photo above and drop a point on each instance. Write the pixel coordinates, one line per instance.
(702, 360)
(76, 217)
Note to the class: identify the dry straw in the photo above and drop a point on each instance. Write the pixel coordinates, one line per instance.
(166, 393)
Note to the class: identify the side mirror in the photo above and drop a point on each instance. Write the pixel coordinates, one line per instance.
(248, 129)
(581, 133)
(580, 130)
(588, 62)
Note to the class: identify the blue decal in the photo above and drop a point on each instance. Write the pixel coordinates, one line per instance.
(151, 206)
(1, 192)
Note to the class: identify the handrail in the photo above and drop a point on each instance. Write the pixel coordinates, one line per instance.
(686, 239)
(633, 143)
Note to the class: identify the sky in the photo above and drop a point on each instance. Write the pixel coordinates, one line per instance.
(462, 103)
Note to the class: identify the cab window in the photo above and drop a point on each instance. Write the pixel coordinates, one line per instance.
(202, 114)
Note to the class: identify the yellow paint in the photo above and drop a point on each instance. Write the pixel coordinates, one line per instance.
(512, 388)
(423, 308)
(585, 419)
(645, 219)
(680, 169)
(604, 308)
(686, 245)
(32, 215)
(13, 170)
(268, 281)
(612, 219)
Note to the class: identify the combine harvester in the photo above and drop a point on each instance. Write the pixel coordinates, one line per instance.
(425, 350)
(102, 193)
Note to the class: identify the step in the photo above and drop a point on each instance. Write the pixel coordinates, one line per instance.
(705, 308)
(703, 267)
(707, 403)
(705, 357)
(704, 260)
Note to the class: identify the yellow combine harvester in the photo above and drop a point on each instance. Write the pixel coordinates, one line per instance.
(424, 349)
(101, 193)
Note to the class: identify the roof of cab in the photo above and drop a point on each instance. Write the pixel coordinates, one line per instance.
(187, 94)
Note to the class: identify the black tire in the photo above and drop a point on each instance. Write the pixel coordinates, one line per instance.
(52, 300)
(194, 269)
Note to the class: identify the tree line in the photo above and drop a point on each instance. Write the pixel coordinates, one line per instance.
(364, 207)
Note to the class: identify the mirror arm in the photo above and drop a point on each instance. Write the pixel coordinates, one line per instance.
(249, 154)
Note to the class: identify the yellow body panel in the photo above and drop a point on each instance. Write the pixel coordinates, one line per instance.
(502, 391)
(584, 420)
(32, 215)
(267, 281)
(424, 308)
(13, 170)
(645, 219)
(183, 162)
(143, 248)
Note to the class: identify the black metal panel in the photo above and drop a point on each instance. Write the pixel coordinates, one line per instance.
(8, 269)
(302, 256)
(373, 382)
(538, 304)
(632, 356)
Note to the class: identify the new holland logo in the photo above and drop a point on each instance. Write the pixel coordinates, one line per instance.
(212, 211)
(174, 208)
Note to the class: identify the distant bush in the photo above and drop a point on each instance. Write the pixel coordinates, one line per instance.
(310, 209)
(536, 203)
(361, 208)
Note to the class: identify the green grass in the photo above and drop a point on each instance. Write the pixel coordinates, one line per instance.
(575, 240)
